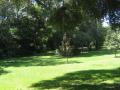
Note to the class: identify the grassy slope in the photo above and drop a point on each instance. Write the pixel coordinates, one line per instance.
(93, 71)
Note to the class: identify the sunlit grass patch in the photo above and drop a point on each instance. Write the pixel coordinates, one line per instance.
(93, 71)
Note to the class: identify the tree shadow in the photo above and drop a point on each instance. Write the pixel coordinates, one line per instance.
(117, 56)
(46, 60)
(83, 80)
(2, 71)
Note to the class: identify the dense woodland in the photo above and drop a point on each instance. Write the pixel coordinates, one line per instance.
(29, 27)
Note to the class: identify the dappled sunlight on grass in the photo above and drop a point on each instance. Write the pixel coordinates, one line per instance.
(84, 80)
(31, 61)
(2, 71)
(88, 72)
(53, 59)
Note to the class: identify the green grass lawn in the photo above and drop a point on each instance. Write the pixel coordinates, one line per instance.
(93, 71)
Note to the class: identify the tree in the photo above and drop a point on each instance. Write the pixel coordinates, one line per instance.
(66, 46)
(30, 24)
(7, 43)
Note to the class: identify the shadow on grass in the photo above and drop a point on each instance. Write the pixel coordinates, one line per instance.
(46, 60)
(2, 71)
(83, 80)
(117, 56)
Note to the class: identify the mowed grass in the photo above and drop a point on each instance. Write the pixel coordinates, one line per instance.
(98, 70)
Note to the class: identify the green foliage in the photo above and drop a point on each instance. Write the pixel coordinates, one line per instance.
(112, 39)
(30, 33)
(7, 43)
(28, 24)
(88, 34)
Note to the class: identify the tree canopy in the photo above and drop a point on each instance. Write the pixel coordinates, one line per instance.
(30, 24)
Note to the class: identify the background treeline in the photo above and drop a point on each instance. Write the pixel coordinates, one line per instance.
(30, 27)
